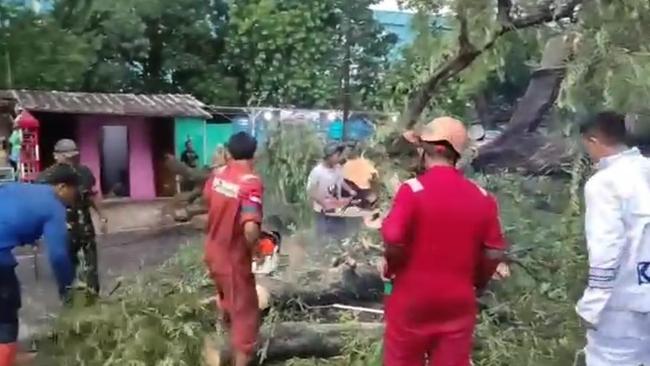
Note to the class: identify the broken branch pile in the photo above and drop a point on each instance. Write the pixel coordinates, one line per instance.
(168, 321)
(163, 318)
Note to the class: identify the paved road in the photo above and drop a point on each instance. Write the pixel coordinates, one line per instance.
(120, 255)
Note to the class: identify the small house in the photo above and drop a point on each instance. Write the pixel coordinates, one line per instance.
(122, 138)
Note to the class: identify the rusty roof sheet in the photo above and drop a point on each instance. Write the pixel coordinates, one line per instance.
(151, 105)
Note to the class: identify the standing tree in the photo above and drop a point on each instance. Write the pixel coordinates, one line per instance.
(611, 68)
(37, 53)
(291, 52)
(153, 45)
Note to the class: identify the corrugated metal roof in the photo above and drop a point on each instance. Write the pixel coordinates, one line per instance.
(152, 105)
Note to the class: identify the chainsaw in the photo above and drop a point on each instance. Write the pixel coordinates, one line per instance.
(267, 256)
(364, 201)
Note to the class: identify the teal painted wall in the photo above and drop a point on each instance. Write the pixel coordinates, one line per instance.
(216, 134)
(195, 129)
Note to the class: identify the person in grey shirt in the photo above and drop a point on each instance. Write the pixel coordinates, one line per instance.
(325, 186)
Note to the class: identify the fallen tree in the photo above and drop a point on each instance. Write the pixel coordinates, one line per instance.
(284, 341)
(521, 146)
(467, 53)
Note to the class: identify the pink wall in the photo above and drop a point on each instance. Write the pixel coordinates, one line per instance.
(141, 173)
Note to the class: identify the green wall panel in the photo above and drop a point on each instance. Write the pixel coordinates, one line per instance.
(216, 134)
(195, 129)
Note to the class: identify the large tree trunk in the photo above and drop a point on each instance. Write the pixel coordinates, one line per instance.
(520, 146)
(289, 340)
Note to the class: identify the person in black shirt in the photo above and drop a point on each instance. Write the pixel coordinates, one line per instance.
(189, 157)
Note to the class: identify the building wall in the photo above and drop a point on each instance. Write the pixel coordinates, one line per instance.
(216, 134)
(195, 130)
(141, 173)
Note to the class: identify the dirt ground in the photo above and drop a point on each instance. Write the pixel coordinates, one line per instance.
(120, 255)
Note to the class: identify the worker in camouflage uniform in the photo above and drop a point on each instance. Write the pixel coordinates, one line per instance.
(80, 224)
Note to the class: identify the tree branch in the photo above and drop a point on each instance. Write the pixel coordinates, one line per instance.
(464, 45)
(465, 56)
(504, 7)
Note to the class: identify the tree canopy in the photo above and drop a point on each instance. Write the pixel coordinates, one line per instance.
(243, 52)
(266, 52)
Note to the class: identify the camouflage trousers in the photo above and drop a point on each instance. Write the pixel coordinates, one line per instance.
(83, 253)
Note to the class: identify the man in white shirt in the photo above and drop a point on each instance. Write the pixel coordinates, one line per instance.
(325, 186)
(616, 304)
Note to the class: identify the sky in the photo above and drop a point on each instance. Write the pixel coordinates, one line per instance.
(391, 5)
(386, 5)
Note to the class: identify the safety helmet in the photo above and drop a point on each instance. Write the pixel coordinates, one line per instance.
(442, 129)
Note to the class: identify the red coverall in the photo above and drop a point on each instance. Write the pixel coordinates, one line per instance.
(234, 196)
(442, 222)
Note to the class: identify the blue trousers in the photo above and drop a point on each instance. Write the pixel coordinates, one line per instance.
(9, 305)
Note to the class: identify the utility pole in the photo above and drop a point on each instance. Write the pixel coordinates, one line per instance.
(10, 81)
(347, 63)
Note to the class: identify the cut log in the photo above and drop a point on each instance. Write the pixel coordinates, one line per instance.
(197, 208)
(289, 340)
(344, 284)
(322, 287)
(181, 215)
(200, 222)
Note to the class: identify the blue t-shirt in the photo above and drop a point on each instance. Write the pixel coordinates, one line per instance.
(27, 213)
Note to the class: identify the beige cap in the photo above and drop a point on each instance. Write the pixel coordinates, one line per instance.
(442, 129)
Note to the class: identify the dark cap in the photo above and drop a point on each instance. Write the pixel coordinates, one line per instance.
(60, 174)
(332, 148)
(66, 147)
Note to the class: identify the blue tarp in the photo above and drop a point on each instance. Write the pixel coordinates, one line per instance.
(357, 129)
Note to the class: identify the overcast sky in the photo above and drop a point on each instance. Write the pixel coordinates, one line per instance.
(386, 5)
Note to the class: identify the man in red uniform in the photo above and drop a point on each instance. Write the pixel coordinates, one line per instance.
(443, 243)
(234, 196)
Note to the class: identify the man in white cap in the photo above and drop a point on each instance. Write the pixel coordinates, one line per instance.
(443, 242)
(80, 224)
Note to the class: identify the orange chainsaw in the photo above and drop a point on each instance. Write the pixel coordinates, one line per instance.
(267, 253)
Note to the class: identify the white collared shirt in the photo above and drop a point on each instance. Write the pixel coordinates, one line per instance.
(617, 227)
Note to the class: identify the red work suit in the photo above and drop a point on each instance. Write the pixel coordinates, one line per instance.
(234, 196)
(442, 222)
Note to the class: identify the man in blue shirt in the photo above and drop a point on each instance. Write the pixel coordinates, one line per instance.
(27, 213)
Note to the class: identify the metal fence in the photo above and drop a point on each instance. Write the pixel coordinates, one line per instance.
(328, 124)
